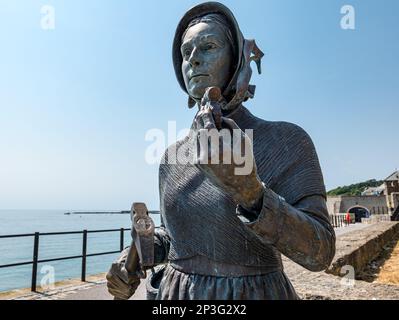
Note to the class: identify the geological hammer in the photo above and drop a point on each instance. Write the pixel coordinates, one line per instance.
(141, 252)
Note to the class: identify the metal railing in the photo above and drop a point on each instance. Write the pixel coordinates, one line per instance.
(337, 220)
(35, 260)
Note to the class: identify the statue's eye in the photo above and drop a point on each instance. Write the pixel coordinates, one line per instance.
(187, 52)
(209, 46)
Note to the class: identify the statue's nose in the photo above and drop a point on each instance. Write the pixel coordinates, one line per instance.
(194, 59)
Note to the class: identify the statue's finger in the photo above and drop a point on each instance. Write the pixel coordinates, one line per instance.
(116, 291)
(207, 117)
(217, 115)
(109, 276)
(115, 268)
(199, 123)
(119, 295)
(121, 282)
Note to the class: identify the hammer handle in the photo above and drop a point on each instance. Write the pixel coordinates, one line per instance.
(132, 259)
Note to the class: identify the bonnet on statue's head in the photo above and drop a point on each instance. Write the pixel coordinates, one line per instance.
(245, 51)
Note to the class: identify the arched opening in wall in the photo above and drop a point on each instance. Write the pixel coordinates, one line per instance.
(360, 212)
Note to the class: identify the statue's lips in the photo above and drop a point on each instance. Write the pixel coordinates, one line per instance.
(198, 76)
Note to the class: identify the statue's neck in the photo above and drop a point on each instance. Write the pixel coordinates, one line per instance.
(243, 117)
(236, 110)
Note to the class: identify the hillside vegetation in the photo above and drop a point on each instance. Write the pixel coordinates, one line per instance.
(355, 189)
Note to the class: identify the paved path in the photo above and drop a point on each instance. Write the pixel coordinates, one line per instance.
(100, 292)
(350, 228)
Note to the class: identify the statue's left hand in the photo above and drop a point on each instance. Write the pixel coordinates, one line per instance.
(238, 177)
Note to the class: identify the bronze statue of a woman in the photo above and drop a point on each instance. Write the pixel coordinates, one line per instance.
(223, 233)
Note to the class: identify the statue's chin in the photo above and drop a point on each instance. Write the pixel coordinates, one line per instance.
(197, 92)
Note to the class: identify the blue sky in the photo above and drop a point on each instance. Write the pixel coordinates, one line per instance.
(77, 101)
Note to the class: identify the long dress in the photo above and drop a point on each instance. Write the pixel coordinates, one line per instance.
(212, 252)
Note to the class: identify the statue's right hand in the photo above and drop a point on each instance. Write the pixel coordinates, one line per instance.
(120, 283)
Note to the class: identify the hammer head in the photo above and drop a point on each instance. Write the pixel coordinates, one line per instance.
(138, 208)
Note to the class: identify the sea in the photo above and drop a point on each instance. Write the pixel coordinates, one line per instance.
(16, 250)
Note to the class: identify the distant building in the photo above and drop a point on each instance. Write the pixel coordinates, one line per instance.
(392, 183)
(374, 191)
(375, 200)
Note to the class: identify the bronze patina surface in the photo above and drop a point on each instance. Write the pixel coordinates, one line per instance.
(223, 233)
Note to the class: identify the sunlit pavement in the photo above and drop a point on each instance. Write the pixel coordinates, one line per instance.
(350, 228)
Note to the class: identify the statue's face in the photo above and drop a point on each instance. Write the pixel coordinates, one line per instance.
(207, 58)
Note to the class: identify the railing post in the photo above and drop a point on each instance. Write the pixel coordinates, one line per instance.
(84, 252)
(35, 259)
(122, 239)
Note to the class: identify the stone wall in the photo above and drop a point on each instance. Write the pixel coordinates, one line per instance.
(341, 204)
(355, 249)
(358, 248)
(334, 204)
